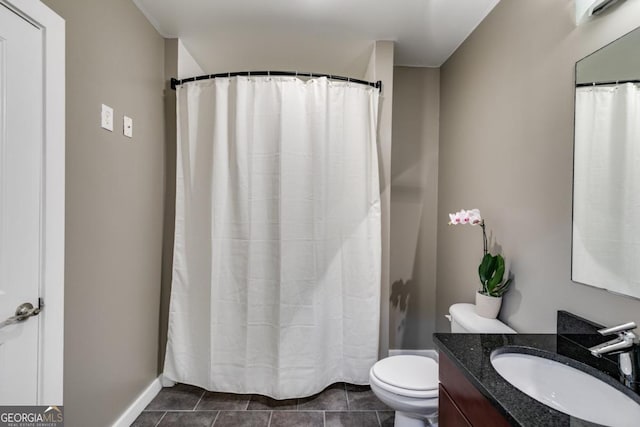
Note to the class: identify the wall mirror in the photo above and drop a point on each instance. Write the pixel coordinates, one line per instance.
(606, 173)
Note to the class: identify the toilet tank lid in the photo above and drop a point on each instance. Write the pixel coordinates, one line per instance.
(465, 315)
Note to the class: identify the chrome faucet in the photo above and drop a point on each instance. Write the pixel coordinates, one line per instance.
(625, 345)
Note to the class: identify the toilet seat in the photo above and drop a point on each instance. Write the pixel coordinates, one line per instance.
(407, 375)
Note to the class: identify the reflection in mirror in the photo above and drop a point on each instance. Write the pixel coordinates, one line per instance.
(606, 182)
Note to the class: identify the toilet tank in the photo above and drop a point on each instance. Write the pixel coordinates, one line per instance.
(465, 320)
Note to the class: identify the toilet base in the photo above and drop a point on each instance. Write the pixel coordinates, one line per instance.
(406, 419)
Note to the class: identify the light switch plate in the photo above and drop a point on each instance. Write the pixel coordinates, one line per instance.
(107, 118)
(127, 126)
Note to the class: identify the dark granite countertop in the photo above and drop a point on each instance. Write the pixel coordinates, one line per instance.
(471, 353)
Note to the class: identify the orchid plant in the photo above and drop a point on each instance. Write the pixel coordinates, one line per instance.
(492, 268)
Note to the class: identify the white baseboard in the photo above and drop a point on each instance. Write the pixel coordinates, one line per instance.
(433, 354)
(136, 408)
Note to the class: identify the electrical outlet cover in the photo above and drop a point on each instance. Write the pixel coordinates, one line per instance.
(127, 125)
(107, 118)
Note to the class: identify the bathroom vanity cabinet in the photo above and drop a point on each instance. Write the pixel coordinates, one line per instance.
(460, 403)
(472, 392)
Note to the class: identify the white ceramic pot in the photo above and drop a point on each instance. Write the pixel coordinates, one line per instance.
(487, 306)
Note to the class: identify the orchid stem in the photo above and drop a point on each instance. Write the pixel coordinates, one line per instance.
(484, 238)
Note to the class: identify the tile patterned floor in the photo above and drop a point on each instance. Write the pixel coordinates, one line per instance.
(339, 405)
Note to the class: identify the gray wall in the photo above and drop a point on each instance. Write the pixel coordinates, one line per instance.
(249, 46)
(506, 148)
(114, 208)
(414, 197)
(619, 61)
(171, 65)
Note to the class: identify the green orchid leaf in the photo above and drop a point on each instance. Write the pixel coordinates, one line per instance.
(498, 274)
(492, 271)
(486, 268)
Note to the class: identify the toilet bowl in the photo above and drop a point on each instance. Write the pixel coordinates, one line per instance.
(408, 384)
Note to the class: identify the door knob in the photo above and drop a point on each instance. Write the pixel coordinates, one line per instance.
(23, 312)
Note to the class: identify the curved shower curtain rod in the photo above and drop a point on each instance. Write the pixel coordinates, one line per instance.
(176, 82)
(606, 83)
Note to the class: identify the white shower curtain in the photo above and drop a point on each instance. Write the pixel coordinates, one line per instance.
(606, 226)
(276, 274)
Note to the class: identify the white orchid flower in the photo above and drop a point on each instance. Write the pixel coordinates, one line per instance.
(467, 217)
(474, 217)
(458, 217)
(463, 216)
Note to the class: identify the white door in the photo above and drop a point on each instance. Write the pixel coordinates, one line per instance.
(21, 213)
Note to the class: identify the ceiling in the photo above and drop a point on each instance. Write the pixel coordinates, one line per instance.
(336, 35)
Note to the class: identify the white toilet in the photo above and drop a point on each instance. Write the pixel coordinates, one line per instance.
(409, 383)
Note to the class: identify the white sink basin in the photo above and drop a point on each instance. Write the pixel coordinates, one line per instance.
(567, 389)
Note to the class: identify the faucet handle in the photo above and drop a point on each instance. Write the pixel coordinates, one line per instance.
(616, 329)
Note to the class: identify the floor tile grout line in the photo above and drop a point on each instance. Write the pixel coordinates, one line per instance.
(215, 419)
(309, 410)
(378, 417)
(270, 416)
(158, 423)
(199, 400)
(346, 393)
(324, 418)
